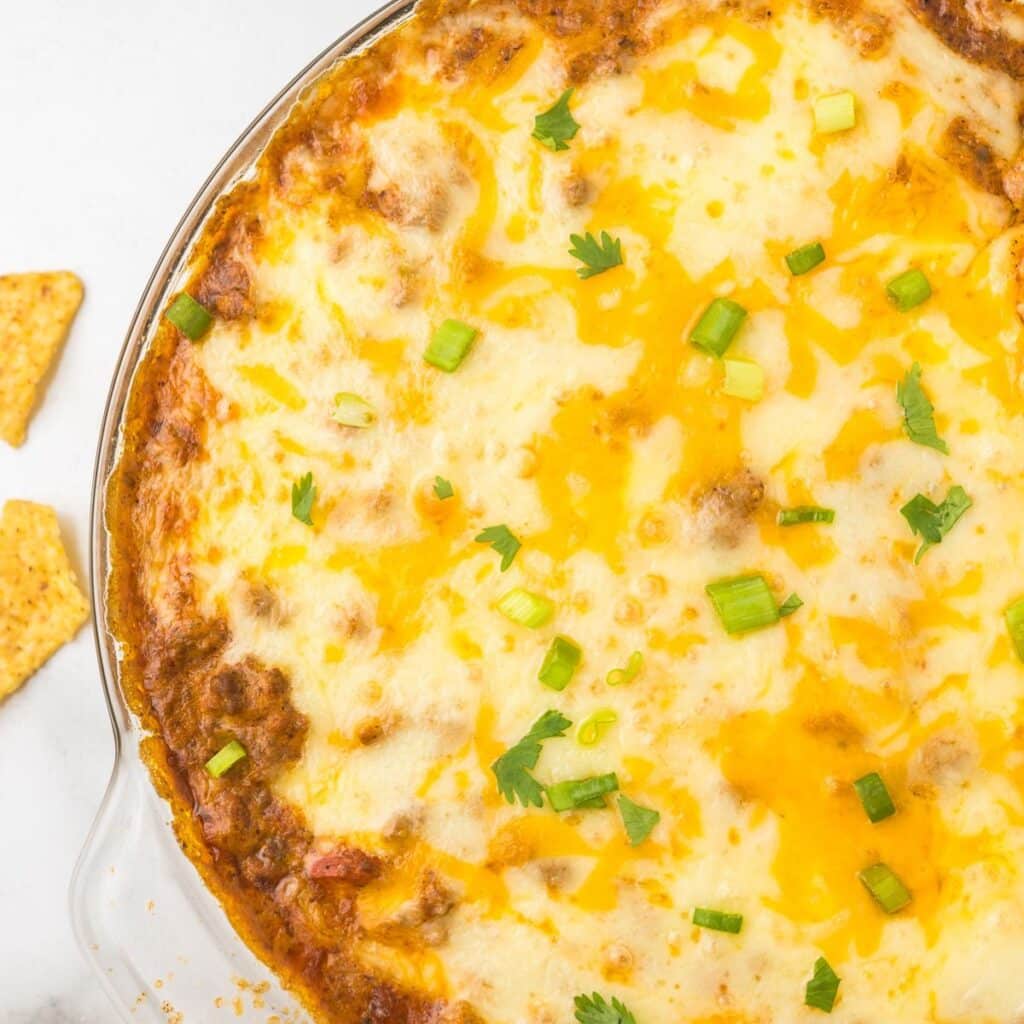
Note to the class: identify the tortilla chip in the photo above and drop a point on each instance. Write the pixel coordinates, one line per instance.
(36, 311)
(41, 606)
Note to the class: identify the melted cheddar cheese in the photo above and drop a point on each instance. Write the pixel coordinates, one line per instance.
(584, 420)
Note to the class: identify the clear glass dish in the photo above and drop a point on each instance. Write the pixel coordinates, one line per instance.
(158, 941)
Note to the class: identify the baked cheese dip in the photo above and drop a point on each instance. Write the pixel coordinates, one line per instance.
(565, 543)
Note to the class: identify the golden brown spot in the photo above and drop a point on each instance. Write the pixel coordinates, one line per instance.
(576, 190)
(725, 509)
(375, 728)
(629, 612)
(972, 156)
(942, 762)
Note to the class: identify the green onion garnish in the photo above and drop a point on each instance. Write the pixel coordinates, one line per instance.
(1015, 624)
(805, 259)
(717, 920)
(805, 514)
(526, 608)
(574, 794)
(189, 316)
(560, 663)
(793, 603)
(450, 345)
(743, 603)
(822, 989)
(443, 488)
(743, 379)
(717, 326)
(226, 758)
(875, 797)
(639, 821)
(835, 113)
(352, 411)
(908, 290)
(594, 726)
(621, 676)
(888, 891)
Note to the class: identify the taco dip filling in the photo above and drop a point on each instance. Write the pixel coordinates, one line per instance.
(565, 546)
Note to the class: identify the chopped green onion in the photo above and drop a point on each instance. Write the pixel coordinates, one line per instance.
(560, 663)
(717, 920)
(226, 758)
(805, 514)
(443, 488)
(743, 379)
(621, 676)
(594, 726)
(743, 603)
(888, 891)
(793, 603)
(803, 260)
(189, 316)
(526, 608)
(908, 290)
(822, 989)
(835, 113)
(352, 411)
(717, 326)
(1015, 624)
(581, 793)
(875, 797)
(450, 345)
(639, 821)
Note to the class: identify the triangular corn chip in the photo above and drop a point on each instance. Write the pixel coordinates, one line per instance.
(36, 311)
(41, 605)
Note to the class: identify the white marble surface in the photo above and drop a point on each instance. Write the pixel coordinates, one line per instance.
(112, 112)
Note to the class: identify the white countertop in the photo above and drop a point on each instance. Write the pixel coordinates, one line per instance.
(112, 115)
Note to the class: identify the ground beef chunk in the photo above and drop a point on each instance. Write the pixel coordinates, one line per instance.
(424, 208)
(436, 898)
(250, 703)
(346, 864)
(962, 27)
(576, 190)
(972, 156)
(603, 37)
(225, 289)
(868, 28)
(944, 761)
(725, 508)
(1013, 182)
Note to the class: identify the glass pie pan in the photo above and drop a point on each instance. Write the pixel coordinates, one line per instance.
(158, 941)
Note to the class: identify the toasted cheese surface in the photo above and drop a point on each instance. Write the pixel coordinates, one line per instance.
(363, 846)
